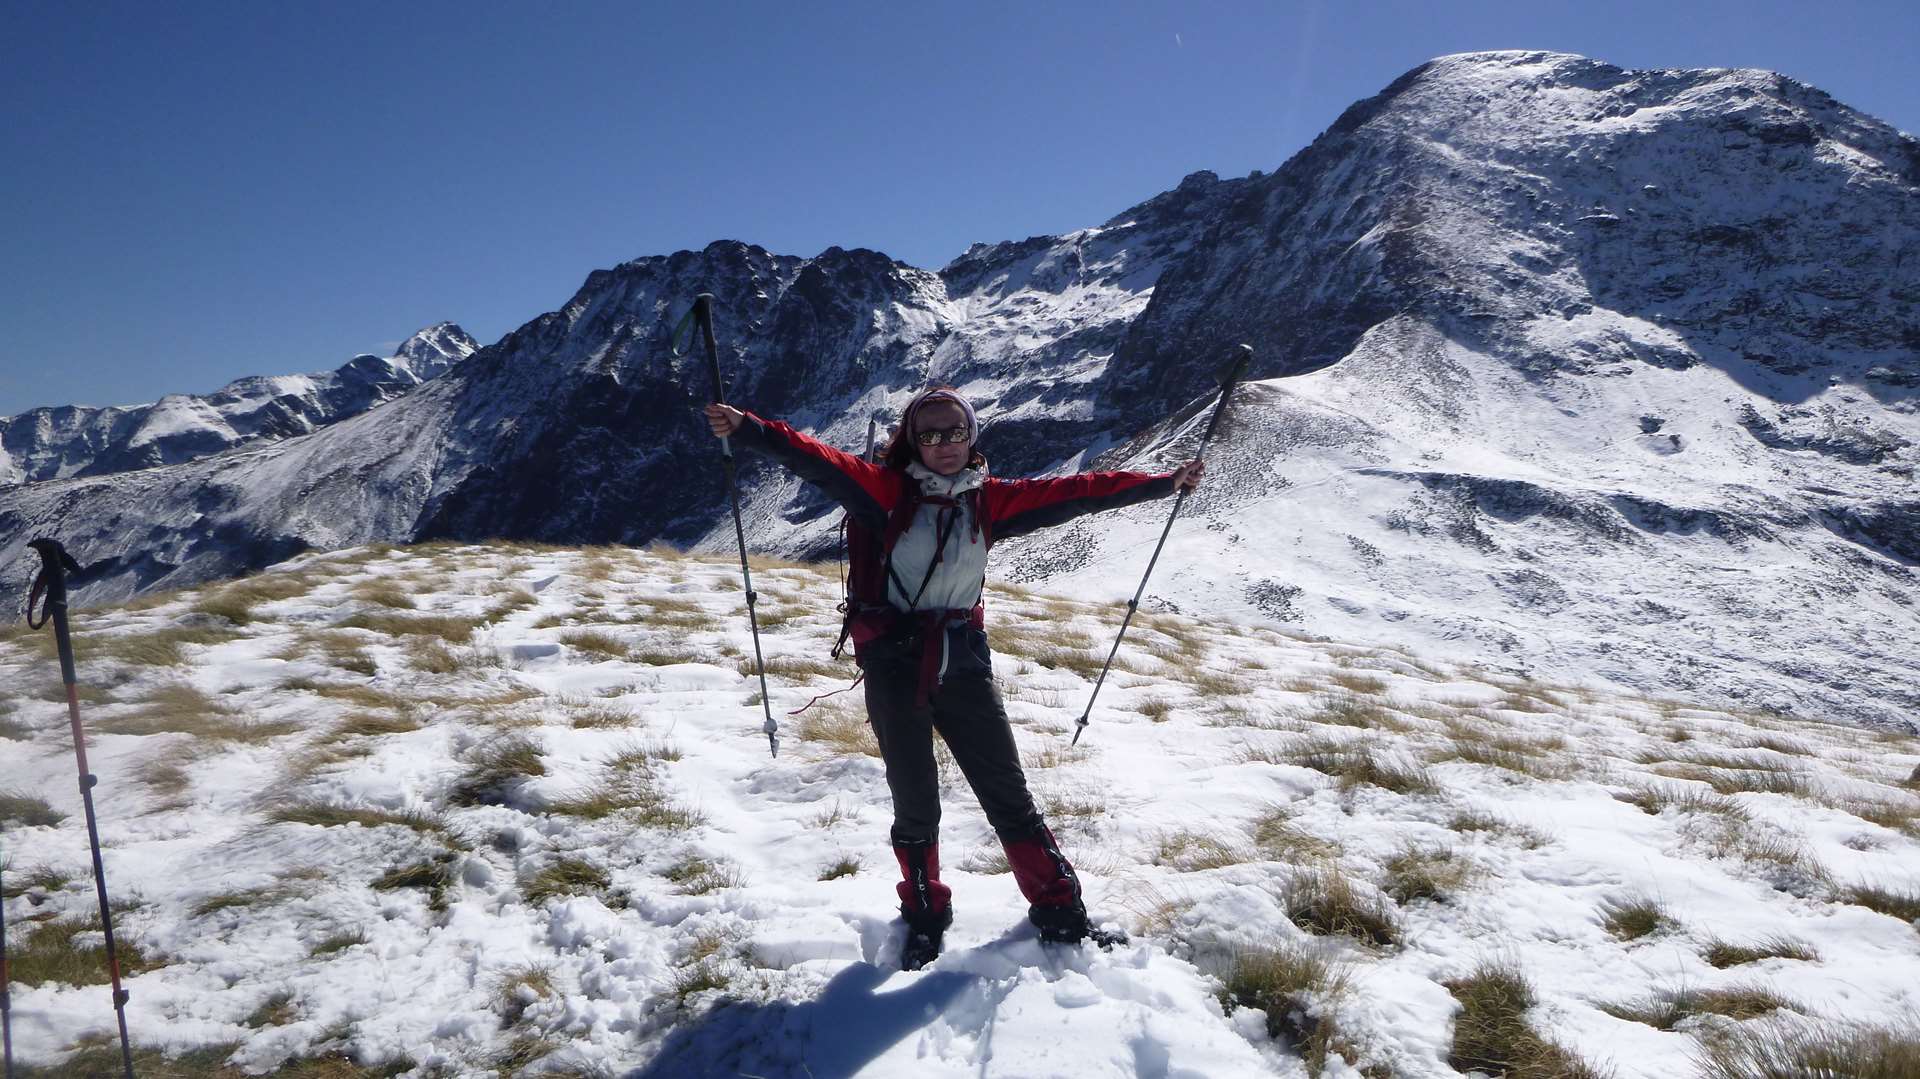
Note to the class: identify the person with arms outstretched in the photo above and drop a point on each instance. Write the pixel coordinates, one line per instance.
(919, 524)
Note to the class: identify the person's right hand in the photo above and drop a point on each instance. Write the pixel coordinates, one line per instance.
(724, 419)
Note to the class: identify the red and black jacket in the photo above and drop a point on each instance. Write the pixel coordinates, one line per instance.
(881, 502)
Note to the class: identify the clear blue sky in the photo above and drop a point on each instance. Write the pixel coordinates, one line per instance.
(197, 191)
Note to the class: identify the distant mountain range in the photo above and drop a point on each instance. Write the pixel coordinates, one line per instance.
(1590, 372)
(76, 440)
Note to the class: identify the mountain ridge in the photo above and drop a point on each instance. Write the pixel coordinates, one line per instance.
(1545, 348)
(60, 442)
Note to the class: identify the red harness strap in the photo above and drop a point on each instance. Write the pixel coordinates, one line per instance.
(933, 627)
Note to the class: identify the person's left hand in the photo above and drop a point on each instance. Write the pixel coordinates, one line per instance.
(1187, 476)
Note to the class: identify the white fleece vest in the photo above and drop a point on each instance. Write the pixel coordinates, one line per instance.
(957, 580)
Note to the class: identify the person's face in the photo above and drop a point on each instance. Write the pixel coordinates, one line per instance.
(944, 457)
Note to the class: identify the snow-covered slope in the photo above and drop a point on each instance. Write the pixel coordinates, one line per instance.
(460, 810)
(1588, 372)
(54, 443)
(1617, 375)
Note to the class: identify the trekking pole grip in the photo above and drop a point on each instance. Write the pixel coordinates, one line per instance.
(49, 595)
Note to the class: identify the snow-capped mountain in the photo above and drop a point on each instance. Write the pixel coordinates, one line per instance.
(1596, 373)
(77, 440)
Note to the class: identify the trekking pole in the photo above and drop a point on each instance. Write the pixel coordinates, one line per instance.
(1236, 367)
(701, 314)
(6, 982)
(51, 585)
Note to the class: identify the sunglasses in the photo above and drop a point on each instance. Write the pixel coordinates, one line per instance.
(935, 437)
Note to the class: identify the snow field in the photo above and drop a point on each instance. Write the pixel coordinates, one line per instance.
(458, 809)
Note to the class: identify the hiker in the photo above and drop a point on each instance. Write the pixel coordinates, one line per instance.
(919, 523)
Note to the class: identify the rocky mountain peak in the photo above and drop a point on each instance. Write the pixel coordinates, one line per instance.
(1591, 372)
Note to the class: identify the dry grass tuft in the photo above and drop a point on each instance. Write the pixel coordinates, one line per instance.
(1685, 799)
(566, 876)
(1300, 991)
(796, 668)
(1277, 837)
(987, 861)
(1900, 816)
(41, 879)
(636, 754)
(1760, 777)
(1079, 661)
(366, 696)
(1635, 916)
(1348, 710)
(1802, 1050)
(1435, 873)
(26, 811)
(339, 942)
(1364, 685)
(52, 952)
(179, 708)
(844, 866)
(1052, 755)
(1215, 684)
(383, 593)
(10, 727)
(327, 815)
(837, 728)
(519, 988)
(449, 628)
(1322, 900)
(100, 1056)
(1901, 903)
(509, 599)
(1190, 852)
(496, 771)
(153, 648)
(371, 725)
(1476, 743)
(431, 656)
(599, 717)
(434, 875)
(276, 1011)
(1469, 821)
(1156, 708)
(1666, 1010)
(1356, 764)
(632, 793)
(244, 898)
(1721, 954)
(1491, 1033)
(342, 651)
(654, 655)
(694, 875)
(236, 601)
(596, 643)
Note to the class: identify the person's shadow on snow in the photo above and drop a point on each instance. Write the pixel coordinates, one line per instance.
(831, 1036)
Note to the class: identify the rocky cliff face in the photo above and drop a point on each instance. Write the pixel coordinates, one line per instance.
(76, 440)
(1591, 372)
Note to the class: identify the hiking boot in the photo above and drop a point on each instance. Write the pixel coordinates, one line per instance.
(926, 933)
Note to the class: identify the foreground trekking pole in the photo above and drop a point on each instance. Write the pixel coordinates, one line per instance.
(701, 314)
(6, 983)
(1237, 367)
(51, 585)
